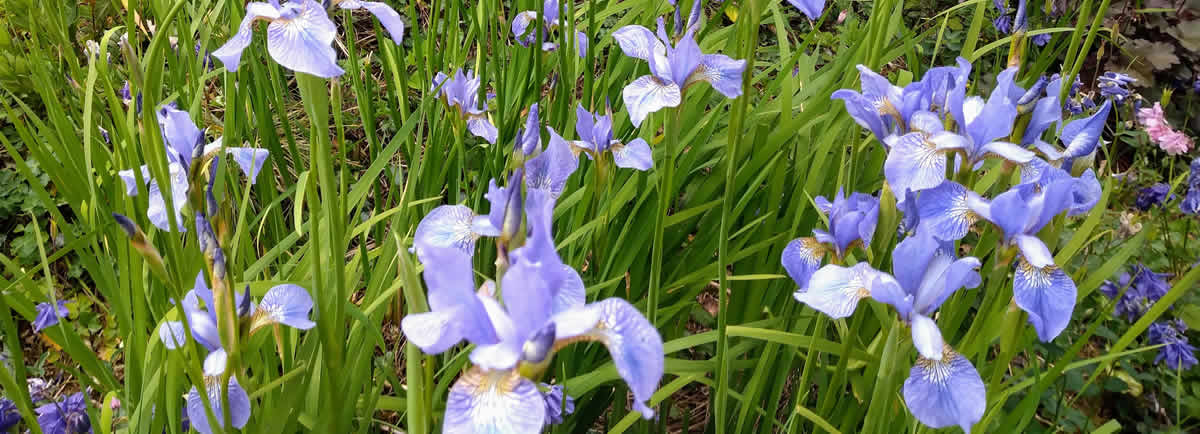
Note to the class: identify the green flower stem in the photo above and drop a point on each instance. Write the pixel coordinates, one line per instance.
(666, 188)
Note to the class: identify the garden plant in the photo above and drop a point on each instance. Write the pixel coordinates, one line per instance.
(553, 216)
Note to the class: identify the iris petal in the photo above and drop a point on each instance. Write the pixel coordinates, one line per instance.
(1045, 113)
(637, 42)
(649, 94)
(571, 293)
(480, 126)
(1082, 136)
(450, 280)
(180, 135)
(231, 53)
(172, 334)
(863, 111)
(835, 290)
(926, 336)
(157, 210)
(288, 304)
(301, 40)
(250, 160)
(944, 211)
(239, 403)
(722, 72)
(811, 8)
(945, 391)
(634, 155)
(801, 258)
(1047, 295)
(635, 345)
(384, 13)
(447, 226)
(914, 164)
(550, 170)
(130, 178)
(498, 402)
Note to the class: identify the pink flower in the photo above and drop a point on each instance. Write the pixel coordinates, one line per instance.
(1174, 142)
(1155, 123)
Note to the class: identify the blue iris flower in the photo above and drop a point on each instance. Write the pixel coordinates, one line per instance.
(596, 137)
(541, 307)
(300, 34)
(811, 8)
(943, 388)
(462, 92)
(185, 149)
(283, 304)
(66, 417)
(525, 34)
(1040, 287)
(673, 68)
(852, 221)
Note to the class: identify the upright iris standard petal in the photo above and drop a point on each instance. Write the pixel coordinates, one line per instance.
(835, 290)
(180, 135)
(1047, 295)
(382, 12)
(1082, 136)
(944, 211)
(914, 164)
(447, 226)
(301, 39)
(549, 170)
(649, 94)
(811, 8)
(945, 391)
(633, 155)
(231, 52)
(288, 304)
(722, 72)
(1046, 112)
(239, 404)
(635, 345)
(520, 27)
(529, 139)
(528, 297)
(500, 402)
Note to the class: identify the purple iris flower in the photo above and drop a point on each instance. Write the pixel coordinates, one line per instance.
(1151, 196)
(811, 8)
(596, 136)
(66, 417)
(672, 69)
(945, 211)
(943, 388)
(888, 110)
(852, 221)
(48, 316)
(183, 141)
(1176, 351)
(9, 416)
(300, 34)
(286, 304)
(1040, 287)
(526, 35)
(1145, 287)
(462, 92)
(1080, 137)
(541, 308)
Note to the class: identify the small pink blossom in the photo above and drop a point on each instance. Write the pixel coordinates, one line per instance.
(1155, 123)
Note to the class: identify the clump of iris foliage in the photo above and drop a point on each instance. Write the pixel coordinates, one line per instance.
(358, 216)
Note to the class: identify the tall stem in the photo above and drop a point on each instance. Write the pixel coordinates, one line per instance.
(666, 195)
